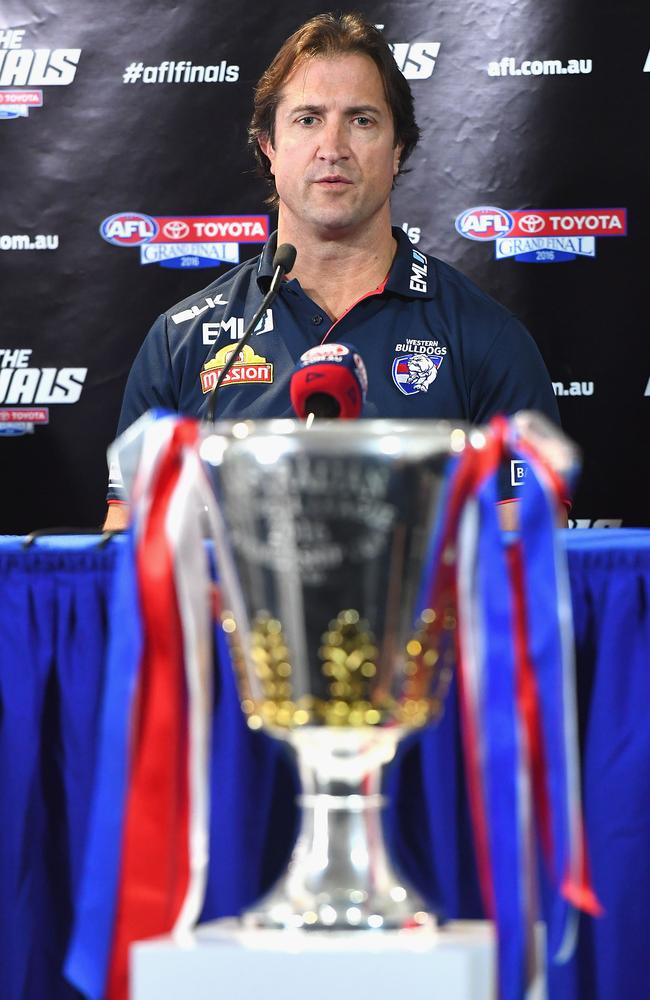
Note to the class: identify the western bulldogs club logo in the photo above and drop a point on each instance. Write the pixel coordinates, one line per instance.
(415, 372)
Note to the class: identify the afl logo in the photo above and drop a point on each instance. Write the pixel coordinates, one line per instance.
(128, 229)
(484, 223)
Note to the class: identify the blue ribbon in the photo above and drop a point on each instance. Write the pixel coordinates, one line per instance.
(89, 952)
(498, 711)
(539, 550)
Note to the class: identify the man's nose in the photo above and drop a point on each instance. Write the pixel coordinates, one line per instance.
(334, 144)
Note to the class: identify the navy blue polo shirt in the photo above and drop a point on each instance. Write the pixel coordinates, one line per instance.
(435, 347)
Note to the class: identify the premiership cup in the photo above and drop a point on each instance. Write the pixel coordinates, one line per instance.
(325, 552)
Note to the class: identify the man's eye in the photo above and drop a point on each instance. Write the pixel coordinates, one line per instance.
(307, 120)
(363, 120)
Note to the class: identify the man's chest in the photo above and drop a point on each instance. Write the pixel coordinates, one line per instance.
(408, 349)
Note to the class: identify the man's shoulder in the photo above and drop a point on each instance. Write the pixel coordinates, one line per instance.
(420, 275)
(218, 293)
(456, 288)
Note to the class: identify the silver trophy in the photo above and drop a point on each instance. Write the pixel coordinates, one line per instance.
(325, 558)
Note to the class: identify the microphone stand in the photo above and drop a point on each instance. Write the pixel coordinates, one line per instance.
(283, 262)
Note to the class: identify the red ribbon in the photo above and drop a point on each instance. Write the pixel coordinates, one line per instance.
(155, 861)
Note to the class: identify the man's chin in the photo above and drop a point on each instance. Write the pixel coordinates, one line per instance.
(332, 222)
(337, 225)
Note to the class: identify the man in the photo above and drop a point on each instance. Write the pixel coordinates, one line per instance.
(333, 125)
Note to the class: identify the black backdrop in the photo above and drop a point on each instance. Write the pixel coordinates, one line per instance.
(529, 107)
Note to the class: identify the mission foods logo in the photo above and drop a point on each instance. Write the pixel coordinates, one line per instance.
(185, 241)
(23, 71)
(542, 236)
(249, 367)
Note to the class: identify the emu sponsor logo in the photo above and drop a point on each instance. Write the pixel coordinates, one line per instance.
(541, 236)
(187, 241)
(248, 368)
(419, 268)
(24, 390)
(235, 326)
(28, 69)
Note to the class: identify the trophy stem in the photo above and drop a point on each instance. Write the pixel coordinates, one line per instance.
(340, 876)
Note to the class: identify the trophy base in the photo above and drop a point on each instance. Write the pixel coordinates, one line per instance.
(340, 910)
(340, 877)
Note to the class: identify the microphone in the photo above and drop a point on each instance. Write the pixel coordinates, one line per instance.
(283, 262)
(329, 381)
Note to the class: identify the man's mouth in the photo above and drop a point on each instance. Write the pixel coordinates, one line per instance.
(333, 180)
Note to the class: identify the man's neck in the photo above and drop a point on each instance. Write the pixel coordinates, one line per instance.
(335, 271)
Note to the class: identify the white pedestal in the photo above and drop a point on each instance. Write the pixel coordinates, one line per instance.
(222, 962)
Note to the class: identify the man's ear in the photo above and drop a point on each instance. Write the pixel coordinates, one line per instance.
(266, 146)
(397, 157)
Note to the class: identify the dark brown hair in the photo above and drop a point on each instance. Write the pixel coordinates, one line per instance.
(329, 35)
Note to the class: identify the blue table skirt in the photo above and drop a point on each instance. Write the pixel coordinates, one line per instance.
(55, 622)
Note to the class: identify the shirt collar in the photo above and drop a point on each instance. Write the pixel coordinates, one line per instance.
(265, 263)
(411, 273)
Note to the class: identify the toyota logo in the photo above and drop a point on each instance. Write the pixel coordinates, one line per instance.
(531, 223)
(176, 229)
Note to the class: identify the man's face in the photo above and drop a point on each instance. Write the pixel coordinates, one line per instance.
(333, 155)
